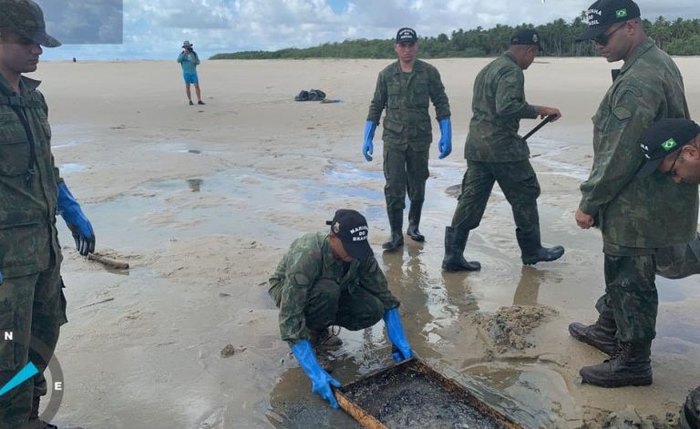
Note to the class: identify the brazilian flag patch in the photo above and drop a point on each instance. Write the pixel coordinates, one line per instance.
(621, 13)
(669, 144)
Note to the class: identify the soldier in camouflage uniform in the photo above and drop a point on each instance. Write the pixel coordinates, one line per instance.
(637, 215)
(405, 88)
(329, 279)
(672, 147)
(496, 153)
(32, 305)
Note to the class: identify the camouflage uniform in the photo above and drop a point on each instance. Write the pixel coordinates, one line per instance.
(677, 262)
(637, 216)
(32, 304)
(496, 153)
(313, 290)
(690, 414)
(407, 131)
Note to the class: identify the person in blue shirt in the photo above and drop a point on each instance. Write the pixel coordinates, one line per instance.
(189, 61)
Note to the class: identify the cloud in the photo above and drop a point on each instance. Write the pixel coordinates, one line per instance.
(87, 21)
(184, 14)
(156, 28)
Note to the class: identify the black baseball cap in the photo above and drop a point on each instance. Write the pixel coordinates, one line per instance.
(663, 138)
(406, 35)
(604, 13)
(352, 230)
(527, 36)
(25, 18)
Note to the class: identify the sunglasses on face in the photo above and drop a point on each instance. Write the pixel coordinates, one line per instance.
(603, 39)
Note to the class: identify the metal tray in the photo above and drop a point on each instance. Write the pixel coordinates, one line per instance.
(413, 395)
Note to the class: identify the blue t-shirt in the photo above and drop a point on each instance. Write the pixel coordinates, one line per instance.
(188, 61)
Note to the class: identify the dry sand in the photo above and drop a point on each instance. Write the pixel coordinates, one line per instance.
(202, 201)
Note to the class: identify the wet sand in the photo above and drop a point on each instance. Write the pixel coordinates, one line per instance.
(202, 201)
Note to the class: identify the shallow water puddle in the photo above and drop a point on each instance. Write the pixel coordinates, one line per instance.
(536, 387)
(71, 168)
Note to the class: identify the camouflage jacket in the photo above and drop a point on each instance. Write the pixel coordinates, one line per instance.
(648, 212)
(28, 183)
(309, 259)
(498, 105)
(406, 97)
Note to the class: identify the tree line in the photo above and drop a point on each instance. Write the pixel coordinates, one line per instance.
(679, 37)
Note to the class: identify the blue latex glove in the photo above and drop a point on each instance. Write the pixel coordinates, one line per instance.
(321, 381)
(445, 144)
(402, 350)
(76, 220)
(367, 146)
(1, 279)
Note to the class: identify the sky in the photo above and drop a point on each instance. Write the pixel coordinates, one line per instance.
(155, 29)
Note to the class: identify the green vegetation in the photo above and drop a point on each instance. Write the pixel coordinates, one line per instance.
(680, 37)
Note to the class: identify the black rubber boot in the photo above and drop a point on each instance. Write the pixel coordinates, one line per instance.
(631, 366)
(690, 416)
(600, 335)
(414, 220)
(396, 223)
(532, 250)
(455, 243)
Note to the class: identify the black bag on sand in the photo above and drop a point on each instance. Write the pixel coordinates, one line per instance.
(303, 96)
(316, 95)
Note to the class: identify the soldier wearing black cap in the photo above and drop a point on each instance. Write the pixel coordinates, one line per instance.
(32, 192)
(405, 89)
(329, 279)
(496, 153)
(672, 146)
(632, 212)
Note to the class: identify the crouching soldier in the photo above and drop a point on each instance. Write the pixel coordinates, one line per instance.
(333, 279)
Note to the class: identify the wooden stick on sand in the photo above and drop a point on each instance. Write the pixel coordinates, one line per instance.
(110, 263)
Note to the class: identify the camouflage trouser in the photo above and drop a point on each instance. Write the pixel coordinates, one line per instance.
(328, 304)
(670, 262)
(632, 296)
(405, 170)
(518, 182)
(33, 308)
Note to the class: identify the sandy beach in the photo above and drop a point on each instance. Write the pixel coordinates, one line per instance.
(202, 201)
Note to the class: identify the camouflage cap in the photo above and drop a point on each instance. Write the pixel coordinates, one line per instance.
(25, 18)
